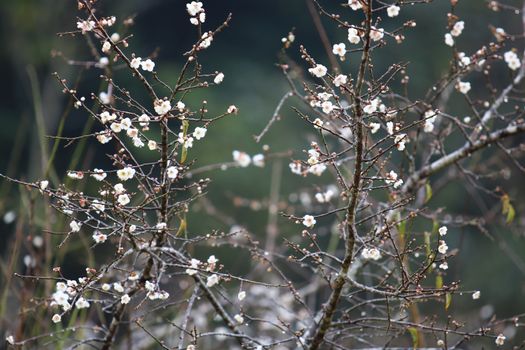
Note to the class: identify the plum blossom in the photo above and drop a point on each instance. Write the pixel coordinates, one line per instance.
(148, 65)
(241, 295)
(476, 295)
(126, 173)
(457, 29)
(353, 36)
(463, 87)
(371, 254)
(443, 230)
(393, 11)
(512, 60)
(199, 133)
(74, 226)
(449, 40)
(318, 70)
(309, 221)
(162, 106)
(172, 172)
(500, 340)
(340, 79)
(99, 237)
(212, 280)
(258, 160)
(194, 8)
(218, 78)
(241, 158)
(377, 34)
(125, 299)
(340, 50)
(443, 247)
(355, 4)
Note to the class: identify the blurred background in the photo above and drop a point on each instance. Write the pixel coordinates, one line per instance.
(32, 106)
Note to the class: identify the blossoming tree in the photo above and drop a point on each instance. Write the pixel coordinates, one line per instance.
(377, 156)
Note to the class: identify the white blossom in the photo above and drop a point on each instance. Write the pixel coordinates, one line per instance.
(239, 319)
(125, 299)
(457, 29)
(118, 287)
(376, 34)
(106, 46)
(86, 26)
(443, 247)
(135, 62)
(56, 318)
(199, 133)
(123, 199)
(463, 87)
(212, 280)
(500, 340)
(318, 70)
(147, 65)
(449, 40)
(374, 127)
(443, 230)
(241, 158)
(258, 160)
(81, 303)
(476, 295)
(339, 49)
(353, 36)
(194, 7)
(172, 172)
(152, 145)
(99, 237)
(309, 221)
(218, 78)
(371, 253)
(232, 109)
(340, 79)
(126, 173)
(355, 4)
(393, 11)
(75, 226)
(241, 295)
(162, 106)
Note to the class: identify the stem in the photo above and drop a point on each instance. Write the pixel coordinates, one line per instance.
(331, 305)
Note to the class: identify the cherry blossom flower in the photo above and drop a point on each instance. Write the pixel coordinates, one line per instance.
(400, 141)
(258, 160)
(106, 46)
(199, 133)
(152, 145)
(324, 197)
(317, 169)
(393, 11)
(81, 303)
(135, 62)
(172, 172)
(457, 29)
(353, 36)
(118, 287)
(241, 295)
(218, 78)
(232, 109)
(239, 319)
(371, 254)
(340, 50)
(318, 70)
(194, 263)
(212, 280)
(449, 40)
(123, 199)
(476, 295)
(443, 247)
(74, 226)
(99, 174)
(355, 4)
(430, 118)
(162, 106)
(126, 173)
(443, 230)
(99, 237)
(443, 266)
(463, 87)
(125, 299)
(206, 40)
(194, 7)
(86, 26)
(340, 79)
(309, 221)
(376, 34)
(512, 60)
(148, 65)
(241, 158)
(56, 318)
(374, 127)
(500, 340)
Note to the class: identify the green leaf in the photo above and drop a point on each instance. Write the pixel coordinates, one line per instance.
(415, 336)
(507, 208)
(439, 281)
(428, 192)
(448, 300)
